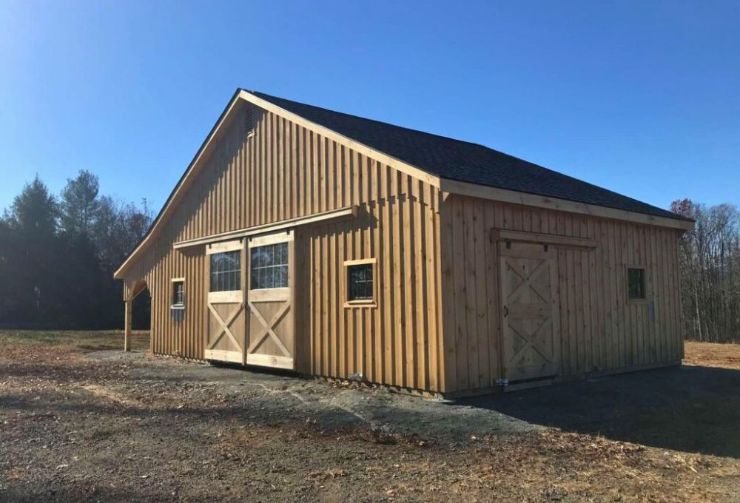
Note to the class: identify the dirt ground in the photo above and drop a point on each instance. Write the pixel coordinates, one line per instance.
(80, 421)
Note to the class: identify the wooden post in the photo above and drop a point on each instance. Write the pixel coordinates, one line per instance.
(127, 326)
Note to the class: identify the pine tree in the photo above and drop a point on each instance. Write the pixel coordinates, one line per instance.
(79, 203)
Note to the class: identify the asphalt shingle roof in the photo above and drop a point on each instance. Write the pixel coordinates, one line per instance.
(463, 161)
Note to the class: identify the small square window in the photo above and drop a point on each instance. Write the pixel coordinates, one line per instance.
(636, 283)
(178, 293)
(360, 283)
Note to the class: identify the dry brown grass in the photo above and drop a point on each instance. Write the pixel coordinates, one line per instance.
(77, 428)
(711, 354)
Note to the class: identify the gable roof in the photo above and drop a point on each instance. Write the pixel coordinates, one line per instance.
(433, 158)
(464, 161)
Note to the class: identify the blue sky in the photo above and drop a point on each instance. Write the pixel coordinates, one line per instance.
(640, 97)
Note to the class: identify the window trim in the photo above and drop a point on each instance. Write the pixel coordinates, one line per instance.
(174, 305)
(642, 300)
(360, 303)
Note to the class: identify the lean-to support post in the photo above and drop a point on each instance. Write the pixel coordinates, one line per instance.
(127, 326)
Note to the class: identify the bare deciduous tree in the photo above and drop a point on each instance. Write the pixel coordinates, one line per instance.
(710, 272)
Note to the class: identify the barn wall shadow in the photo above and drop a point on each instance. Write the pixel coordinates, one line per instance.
(689, 408)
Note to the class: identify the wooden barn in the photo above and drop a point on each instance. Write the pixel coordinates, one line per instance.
(332, 245)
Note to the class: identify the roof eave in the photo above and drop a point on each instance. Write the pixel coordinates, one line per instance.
(551, 203)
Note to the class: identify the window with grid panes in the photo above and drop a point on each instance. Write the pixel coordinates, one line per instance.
(178, 293)
(226, 271)
(269, 266)
(360, 282)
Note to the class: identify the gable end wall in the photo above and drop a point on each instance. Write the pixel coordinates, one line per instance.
(266, 169)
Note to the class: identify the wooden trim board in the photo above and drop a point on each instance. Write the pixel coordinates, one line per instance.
(360, 261)
(535, 237)
(223, 355)
(224, 246)
(226, 297)
(347, 212)
(271, 239)
(280, 362)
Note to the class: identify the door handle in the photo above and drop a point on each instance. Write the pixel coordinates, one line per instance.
(506, 311)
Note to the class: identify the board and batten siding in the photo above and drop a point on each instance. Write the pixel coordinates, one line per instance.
(436, 323)
(264, 169)
(600, 329)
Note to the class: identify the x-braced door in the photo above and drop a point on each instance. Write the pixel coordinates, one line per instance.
(529, 294)
(271, 340)
(226, 314)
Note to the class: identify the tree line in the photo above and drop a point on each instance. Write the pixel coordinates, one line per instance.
(710, 272)
(58, 255)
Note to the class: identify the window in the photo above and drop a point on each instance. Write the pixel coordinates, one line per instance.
(636, 283)
(269, 266)
(178, 293)
(226, 271)
(360, 282)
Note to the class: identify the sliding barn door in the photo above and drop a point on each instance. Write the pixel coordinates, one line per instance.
(271, 340)
(529, 294)
(226, 313)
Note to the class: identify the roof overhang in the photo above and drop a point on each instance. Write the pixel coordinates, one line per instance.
(551, 203)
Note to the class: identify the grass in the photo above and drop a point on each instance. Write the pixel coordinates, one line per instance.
(73, 339)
